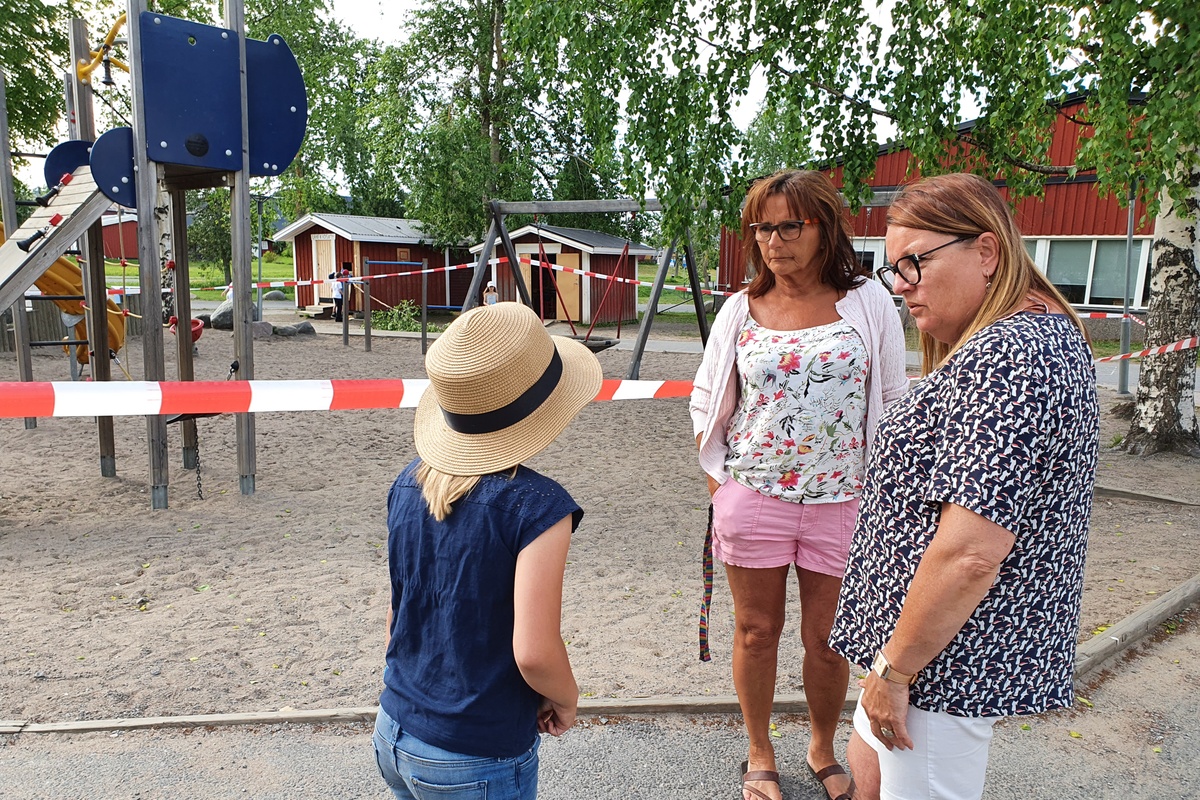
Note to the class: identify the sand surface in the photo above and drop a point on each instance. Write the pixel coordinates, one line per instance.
(232, 603)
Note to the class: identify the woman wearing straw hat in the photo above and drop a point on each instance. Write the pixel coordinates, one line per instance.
(477, 546)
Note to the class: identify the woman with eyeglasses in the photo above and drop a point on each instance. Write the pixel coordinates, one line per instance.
(796, 373)
(961, 596)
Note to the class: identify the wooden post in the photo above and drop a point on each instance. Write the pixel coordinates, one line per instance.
(95, 285)
(8, 206)
(183, 328)
(239, 184)
(149, 267)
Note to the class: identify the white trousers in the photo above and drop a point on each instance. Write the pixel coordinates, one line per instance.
(948, 760)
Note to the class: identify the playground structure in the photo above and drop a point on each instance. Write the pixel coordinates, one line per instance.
(211, 108)
(498, 231)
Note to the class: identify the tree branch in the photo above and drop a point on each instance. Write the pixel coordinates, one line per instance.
(1040, 169)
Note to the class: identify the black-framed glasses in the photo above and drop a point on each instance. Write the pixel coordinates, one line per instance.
(788, 230)
(909, 266)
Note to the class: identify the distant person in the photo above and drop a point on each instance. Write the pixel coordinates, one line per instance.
(962, 592)
(490, 295)
(340, 286)
(798, 369)
(477, 545)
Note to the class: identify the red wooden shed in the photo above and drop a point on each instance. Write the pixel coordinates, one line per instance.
(324, 243)
(1073, 234)
(120, 235)
(582, 297)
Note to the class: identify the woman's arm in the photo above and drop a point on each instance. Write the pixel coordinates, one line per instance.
(712, 482)
(537, 636)
(955, 574)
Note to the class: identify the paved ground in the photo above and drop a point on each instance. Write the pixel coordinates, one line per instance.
(1149, 703)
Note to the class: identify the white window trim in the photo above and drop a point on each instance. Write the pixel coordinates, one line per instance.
(1042, 259)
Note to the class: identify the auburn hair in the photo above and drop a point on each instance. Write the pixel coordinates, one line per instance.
(809, 195)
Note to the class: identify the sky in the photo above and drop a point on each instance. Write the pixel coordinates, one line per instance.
(378, 19)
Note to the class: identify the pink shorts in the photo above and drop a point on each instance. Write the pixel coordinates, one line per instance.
(760, 532)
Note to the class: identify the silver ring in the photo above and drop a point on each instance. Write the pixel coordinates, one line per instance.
(887, 732)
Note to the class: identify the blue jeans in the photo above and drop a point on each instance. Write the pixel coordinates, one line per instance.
(415, 770)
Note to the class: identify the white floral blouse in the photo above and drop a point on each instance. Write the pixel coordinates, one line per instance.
(797, 432)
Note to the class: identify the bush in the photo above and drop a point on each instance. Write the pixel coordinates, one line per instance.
(405, 316)
(270, 256)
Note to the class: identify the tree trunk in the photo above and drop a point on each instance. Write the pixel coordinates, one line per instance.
(1165, 415)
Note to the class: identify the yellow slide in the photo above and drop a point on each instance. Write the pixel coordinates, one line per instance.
(63, 277)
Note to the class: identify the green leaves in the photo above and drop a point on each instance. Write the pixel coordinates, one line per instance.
(33, 51)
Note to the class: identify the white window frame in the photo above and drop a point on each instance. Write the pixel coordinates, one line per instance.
(1042, 259)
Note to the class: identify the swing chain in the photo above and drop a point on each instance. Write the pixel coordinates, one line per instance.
(199, 482)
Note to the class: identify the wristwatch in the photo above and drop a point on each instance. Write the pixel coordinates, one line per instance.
(883, 669)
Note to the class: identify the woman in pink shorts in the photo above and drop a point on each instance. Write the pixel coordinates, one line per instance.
(797, 370)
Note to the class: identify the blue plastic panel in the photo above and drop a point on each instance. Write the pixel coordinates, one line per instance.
(112, 166)
(277, 105)
(66, 157)
(191, 87)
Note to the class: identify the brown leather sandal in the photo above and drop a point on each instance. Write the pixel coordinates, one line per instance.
(768, 775)
(831, 770)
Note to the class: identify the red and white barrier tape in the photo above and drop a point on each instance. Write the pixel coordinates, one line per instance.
(356, 279)
(1100, 315)
(143, 398)
(1173, 347)
(631, 281)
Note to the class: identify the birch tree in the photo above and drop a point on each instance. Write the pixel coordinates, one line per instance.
(844, 76)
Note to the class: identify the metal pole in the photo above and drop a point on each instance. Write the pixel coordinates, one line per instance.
(1123, 364)
(8, 206)
(425, 303)
(472, 298)
(258, 248)
(239, 184)
(366, 287)
(639, 347)
(694, 282)
(345, 310)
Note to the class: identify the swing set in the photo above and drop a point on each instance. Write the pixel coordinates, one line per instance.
(498, 233)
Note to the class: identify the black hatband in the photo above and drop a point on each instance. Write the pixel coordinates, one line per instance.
(514, 412)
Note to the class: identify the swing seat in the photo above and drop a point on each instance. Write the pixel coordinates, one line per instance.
(595, 345)
(173, 418)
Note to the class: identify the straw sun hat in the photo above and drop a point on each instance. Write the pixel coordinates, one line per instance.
(500, 390)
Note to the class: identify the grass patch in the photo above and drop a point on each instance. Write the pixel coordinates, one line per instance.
(647, 271)
(404, 316)
(206, 274)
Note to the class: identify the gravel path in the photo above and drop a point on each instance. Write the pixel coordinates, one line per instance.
(1149, 701)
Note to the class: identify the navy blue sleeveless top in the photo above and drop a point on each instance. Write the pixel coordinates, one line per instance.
(451, 679)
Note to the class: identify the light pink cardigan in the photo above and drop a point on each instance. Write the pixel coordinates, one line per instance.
(869, 310)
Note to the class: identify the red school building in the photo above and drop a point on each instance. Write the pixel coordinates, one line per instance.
(1073, 234)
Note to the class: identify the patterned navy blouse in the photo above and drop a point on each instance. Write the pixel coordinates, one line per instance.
(1008, 428)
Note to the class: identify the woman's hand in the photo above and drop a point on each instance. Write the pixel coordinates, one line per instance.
(555, 719)
(886, 704)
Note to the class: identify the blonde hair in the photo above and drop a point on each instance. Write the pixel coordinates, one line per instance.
(961, 204)
(442, 490)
